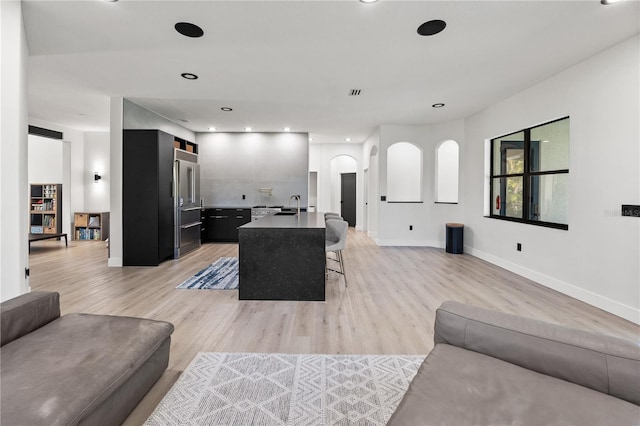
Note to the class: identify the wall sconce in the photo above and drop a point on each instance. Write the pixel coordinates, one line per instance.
(96, 177)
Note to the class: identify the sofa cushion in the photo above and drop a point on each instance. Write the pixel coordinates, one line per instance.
(61, 372)
(603, 363)
(456, 386)
(27, 312)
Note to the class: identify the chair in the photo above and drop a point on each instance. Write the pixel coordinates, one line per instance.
(335, 241)
(330, 215)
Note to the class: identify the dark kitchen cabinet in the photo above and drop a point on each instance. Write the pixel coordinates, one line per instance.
(222, 223)
(147, 199)
(203, 226)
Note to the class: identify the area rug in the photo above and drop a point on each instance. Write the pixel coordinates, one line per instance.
(285, 389)
(220, 275)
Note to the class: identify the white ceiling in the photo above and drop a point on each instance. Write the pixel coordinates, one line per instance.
(293, 63)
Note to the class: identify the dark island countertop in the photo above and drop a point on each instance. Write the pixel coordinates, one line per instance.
(283, 258)
(302, 221)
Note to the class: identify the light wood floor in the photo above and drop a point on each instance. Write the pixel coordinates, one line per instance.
(388, 307)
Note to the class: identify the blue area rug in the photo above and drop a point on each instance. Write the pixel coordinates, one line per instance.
(220, 275)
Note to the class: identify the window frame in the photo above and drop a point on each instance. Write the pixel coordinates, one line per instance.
(526, 175)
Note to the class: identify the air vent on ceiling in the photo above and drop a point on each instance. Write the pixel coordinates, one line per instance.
(355, 92)
(184, 120)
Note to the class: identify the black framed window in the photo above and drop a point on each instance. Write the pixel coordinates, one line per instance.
(530, 175)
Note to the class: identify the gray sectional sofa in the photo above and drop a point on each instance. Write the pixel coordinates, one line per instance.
(490, 368)
(77, 368)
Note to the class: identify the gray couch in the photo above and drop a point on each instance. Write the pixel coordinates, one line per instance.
(78, 368)
(490, 368)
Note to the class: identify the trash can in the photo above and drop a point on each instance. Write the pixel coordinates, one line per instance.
(455, 238)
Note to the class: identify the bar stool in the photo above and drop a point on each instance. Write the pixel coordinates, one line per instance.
(335, 241)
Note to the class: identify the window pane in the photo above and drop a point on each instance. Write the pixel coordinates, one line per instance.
(507, 197)
(550, 147)
(550, 198)
(508, 154)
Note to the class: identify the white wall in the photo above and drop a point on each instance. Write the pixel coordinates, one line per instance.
(404, 172)
(71, 168)
(428, 219)
(447, 172)
(339, 165)
(116, 123)
(320, 158)
(48, 162)
(370, 159)
(45, 160)
(14, 223)
(96, 159)
(136, 117)
(237, 164)
(598, 259)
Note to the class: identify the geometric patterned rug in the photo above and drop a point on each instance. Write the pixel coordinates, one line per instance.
(287, 389)
(220, 275)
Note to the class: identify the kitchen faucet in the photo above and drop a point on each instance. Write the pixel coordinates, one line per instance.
(297, 197)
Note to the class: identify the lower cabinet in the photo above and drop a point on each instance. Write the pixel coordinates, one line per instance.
(222, 223)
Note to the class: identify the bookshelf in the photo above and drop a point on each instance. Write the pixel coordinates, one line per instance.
(45, 208)
(90, 226)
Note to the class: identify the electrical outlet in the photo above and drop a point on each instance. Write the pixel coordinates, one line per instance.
(631, 210)
(243, 197)
(519, 247)
(410, 227)
(383, 198)
(26, 272)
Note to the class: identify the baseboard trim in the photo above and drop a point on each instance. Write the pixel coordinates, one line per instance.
(409, 243)
(114, 262)
(620, 309)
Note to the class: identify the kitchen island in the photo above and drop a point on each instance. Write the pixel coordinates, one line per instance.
(282, 257)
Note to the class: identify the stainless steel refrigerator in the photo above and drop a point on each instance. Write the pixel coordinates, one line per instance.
(186, 178)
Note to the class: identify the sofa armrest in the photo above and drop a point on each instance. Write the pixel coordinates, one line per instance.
(603, 363)
(25, 313)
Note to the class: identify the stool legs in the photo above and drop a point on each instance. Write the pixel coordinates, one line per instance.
(340, 261)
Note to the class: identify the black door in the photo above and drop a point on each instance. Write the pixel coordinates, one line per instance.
(348, 194)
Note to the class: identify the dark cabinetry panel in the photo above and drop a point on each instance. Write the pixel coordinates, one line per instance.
(147, 199)
(222, 223)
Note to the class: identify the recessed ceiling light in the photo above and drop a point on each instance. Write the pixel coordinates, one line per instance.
(226, 109)
(348, 139)
(287, 129)
(248, 129)
(188, 29)
(212, 129)
(189, 76)
(368, 1)
(610, 1)
(310, 139)
(438, 105)
(430, 28)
